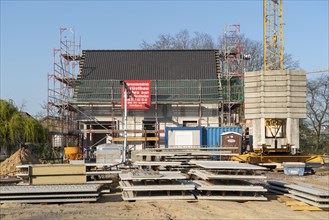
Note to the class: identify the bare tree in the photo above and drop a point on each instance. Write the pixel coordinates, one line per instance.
(318, 108)
(202, 41)
(164, 42)
(182, 41)
(43, 112)
(255, 50)
(22, 106)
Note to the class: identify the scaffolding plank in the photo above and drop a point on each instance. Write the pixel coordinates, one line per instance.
(120, 139)
(100, 164)
(162, 176)
(26, 196)
(226, 165)
(186, 153)
(204, 185)
(319, 205)
(128, 197)
(173, 187)
(310, 188)
(233, 198)
(310, 197)
(312, 191)
(50, 200)
(157, 163)
(65, 188)
(315, 186)
(203, 174)
(237, 177)
(100, 182)
(92, 173)
(212, 153)
(159, 154)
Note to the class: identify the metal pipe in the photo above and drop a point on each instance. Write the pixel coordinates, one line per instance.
(125, 125)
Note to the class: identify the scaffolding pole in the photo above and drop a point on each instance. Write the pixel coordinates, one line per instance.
(61, 83)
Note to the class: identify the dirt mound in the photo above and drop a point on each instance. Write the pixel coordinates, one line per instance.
(21, 156)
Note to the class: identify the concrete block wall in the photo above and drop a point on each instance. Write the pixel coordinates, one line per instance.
(275, 95)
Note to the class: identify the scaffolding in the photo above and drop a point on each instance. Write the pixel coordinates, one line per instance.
(232, 76)
(169, 98)
(92, 108)
(61, 121)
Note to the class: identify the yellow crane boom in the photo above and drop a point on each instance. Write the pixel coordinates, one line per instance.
(273, 35)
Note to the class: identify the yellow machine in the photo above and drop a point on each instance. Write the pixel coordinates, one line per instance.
(72, 153)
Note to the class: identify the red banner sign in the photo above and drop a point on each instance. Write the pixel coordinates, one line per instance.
(141, 90)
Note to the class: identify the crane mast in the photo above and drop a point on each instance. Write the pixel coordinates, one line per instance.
(273, 35)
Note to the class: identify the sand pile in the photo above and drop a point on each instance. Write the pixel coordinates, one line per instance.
(21, 156)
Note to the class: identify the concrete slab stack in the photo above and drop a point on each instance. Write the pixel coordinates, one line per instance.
(153, 185)
(227, 180)
(157, 165)
(50, 193)
(178, 158)
(312, 194)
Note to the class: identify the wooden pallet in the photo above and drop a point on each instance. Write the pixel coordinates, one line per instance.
(296, 205)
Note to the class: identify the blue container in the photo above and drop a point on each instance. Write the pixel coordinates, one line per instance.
(200, 129)
(212, 135)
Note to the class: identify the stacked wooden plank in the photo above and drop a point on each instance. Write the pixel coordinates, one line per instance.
(227, 180)
(50, 193)
(153, 185)
(312, 194)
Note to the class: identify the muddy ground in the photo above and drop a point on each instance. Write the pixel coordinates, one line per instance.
(112, 207)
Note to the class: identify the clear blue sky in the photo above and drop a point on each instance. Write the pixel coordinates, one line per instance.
(30, 31)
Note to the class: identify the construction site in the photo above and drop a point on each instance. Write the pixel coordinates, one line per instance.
(171, 134)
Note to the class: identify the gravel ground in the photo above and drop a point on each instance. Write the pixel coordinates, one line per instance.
(111, 206)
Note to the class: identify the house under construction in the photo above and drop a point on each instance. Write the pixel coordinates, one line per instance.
(189, 88)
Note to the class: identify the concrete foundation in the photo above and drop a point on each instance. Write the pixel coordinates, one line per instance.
(275, 95)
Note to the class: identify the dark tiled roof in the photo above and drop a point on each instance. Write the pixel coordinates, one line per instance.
(148, 64)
